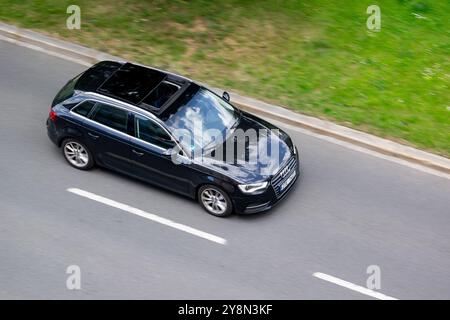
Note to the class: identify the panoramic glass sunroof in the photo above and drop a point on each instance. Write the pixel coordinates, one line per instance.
(132, 83)
(160, 95)
(92, 78)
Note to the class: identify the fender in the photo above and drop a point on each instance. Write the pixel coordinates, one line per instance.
(68, 132)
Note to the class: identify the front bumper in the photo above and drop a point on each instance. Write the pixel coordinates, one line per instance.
(249, 204)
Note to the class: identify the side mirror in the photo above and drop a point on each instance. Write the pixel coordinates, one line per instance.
(177, 157)
(168, 152)
(226, 96)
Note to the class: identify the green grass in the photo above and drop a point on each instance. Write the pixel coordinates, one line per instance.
(314, 56)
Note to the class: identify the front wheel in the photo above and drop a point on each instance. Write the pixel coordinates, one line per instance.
(77, 155)
(215, 201)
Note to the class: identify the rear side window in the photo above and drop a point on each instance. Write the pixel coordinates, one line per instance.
(84, 108)
(110, 116)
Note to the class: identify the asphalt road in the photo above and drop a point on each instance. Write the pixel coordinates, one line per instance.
(349, 210)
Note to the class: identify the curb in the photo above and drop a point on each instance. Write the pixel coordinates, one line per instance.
(365, 140)
(68, 49)
(327, 128)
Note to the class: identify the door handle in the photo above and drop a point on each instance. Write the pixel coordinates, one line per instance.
(139, 154)
(93, 135)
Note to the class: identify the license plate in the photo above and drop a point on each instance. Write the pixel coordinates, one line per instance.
(288, 181)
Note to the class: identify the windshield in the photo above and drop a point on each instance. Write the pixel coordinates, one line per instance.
(202, 120)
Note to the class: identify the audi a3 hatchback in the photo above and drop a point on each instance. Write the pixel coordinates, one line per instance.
(172, 132)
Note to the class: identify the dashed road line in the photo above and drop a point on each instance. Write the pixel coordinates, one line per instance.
(351, 286)
(149, 216)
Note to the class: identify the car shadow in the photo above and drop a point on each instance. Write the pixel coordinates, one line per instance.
(277, 209)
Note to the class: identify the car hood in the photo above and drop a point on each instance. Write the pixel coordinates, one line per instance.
(260, 150)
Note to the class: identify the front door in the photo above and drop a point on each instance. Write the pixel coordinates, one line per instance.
(151, 159)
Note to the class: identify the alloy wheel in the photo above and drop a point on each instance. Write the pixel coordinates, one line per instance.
(76, 154)
(214, 201)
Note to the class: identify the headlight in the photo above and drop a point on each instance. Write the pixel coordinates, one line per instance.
(253, 187)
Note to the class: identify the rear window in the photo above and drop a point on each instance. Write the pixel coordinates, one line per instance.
(84, 108)
(110, 116)
(66, 91)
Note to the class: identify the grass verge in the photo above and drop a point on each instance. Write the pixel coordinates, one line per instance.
(316, 57)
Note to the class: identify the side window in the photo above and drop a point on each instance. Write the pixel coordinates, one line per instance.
(149, 131)
(110, 116)
(84, 108)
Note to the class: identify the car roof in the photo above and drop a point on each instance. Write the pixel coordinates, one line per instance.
(151, 89)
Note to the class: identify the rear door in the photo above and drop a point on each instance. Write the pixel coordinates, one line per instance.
(107, 136)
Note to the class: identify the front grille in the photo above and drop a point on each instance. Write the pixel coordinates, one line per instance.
(282, 175)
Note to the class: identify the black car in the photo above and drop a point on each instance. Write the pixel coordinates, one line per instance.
(144, 122)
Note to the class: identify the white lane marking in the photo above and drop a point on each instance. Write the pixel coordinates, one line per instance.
(150, 216)
(302, 130)
(366, 151)
(351, 286)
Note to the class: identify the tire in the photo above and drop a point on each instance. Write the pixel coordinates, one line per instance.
(215, 201)
(77, 154)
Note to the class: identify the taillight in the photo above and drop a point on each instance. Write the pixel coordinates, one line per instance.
(52, 115)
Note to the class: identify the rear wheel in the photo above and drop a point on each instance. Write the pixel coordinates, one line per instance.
(76, 154)
(215, 201)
